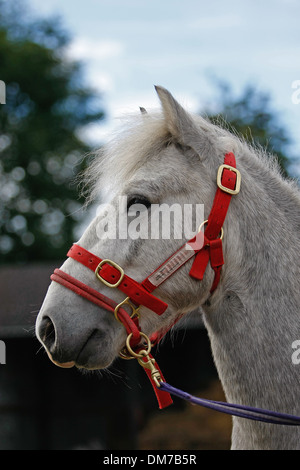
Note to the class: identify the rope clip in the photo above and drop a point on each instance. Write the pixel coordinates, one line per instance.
(150, 365)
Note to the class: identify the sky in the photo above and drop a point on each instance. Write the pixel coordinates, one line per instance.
(128, 46)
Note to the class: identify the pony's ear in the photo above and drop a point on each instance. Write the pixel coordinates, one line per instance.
(180, 123)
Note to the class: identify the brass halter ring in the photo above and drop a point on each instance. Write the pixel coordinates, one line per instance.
(143, 352)
(205, 222)
(135, 310)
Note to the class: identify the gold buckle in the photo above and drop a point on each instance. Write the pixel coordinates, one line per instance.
(115, 265)
(237, 183)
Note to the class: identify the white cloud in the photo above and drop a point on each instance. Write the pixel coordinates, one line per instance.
(211, 23)
(85, 48)
(103, 81)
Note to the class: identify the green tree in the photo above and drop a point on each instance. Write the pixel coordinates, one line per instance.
(47, 104)
(251, 115)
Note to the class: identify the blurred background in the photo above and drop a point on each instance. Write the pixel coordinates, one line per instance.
(68, 71)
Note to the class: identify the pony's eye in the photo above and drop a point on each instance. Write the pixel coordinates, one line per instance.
(138, 200)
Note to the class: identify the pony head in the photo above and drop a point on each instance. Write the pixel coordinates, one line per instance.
(165, 160)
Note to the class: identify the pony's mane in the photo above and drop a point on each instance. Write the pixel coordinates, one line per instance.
(139, 137)
(144, 135)
(248, 144)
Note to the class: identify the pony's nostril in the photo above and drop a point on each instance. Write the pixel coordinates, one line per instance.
(58, 353)
(47, 333)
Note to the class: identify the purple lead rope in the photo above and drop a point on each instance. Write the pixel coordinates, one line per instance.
(241, 411)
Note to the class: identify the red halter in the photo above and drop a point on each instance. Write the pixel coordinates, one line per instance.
(203, 247)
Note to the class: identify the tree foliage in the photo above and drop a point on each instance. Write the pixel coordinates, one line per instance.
(47, 105)
(251, 116)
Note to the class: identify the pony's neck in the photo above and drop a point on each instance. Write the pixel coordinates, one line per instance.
(253, 317)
